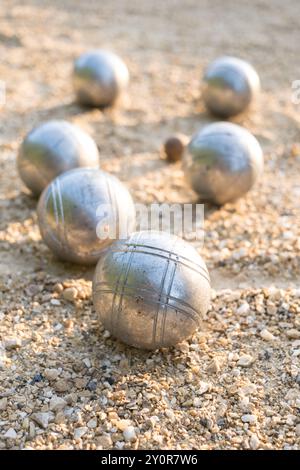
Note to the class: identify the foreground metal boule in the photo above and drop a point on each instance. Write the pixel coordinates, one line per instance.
(229, 86)
(82, 212)
(99, 77)
(152, 290)
(222, 162)
(51, 149)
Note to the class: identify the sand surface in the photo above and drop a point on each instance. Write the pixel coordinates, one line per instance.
(64, 382)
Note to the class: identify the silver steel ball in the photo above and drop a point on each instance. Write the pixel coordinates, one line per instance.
(51, 149)
(152, 290)
(229, 86)
(222, 162)
(82, 212)
(99, 77)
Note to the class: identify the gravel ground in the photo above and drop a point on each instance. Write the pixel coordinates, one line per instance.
(64, 382)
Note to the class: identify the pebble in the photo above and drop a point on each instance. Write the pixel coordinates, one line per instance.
(62, 386)
(12, 343)
(51, 374)
(55, 302)
(92, 423)
(213, 367)
(293, 333)
(57, 403)
(248, 418)
(3, 404)
(42, 419)
(245, 361)
(243, 309)
(203, 387)
(298, 430)
(70, 294)
(254, 442)
(129, 434)
(267, 335)
(10, 434)
(105, 441)
(79, 432)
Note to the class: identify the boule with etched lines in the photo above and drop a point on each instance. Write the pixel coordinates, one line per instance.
(152, 290)
(82, 211)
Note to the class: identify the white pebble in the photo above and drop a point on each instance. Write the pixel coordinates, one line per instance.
(267, 335)
(129, 434)
(245, 361)
(251, 419)
(254, 442)
(243, 309)
(12, 343)
(10, 434)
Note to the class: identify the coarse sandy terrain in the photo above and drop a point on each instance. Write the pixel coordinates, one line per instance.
(65, 383)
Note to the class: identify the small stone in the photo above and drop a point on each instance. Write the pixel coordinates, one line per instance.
(122, 424)
(298, 430)
(58, 288)
(213, 367)
(248, 418)
(203, 387)
(197, 402)
(42, 419)
(266, 335)
(55, 302)
(10, 434)
(243, 309)
(254, 442)
(129, 434)
(293, 333)
(70, 294)
(57, 403)
(245, 360)
(79, 432)
(62, 386)
(105, 441)
(3, 404)
(51, 374)
(12, 343)
(92, 423)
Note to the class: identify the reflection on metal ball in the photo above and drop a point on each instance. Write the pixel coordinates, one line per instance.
(51, 149)
(82, 212)
(222, 162)
(99, 78)
(229, 86)
(152, 290)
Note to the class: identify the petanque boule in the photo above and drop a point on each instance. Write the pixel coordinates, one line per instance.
(51, 149)
(99, 78)
(222, 162)
(152, 290)
(82, 211)
(229, 86)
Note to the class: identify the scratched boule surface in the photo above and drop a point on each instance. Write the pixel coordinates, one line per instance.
(234, 384)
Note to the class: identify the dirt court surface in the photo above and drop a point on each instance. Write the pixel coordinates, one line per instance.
(64, 382)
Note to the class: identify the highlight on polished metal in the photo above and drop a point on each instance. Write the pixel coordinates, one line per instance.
(70, 220)
(99, 77)
(51, 149)
(152, 290)
(229, 86)
(222, 162)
